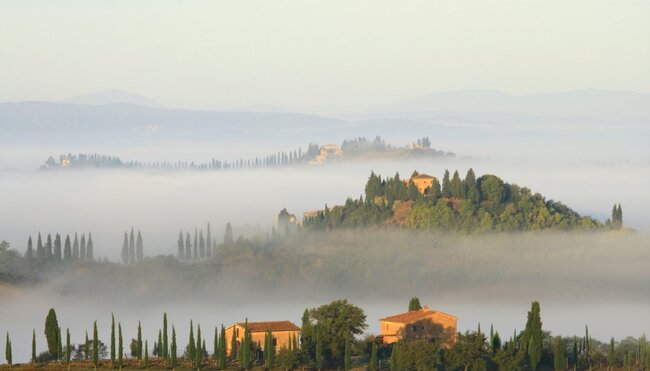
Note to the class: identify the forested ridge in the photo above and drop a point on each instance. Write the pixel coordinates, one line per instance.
(483, 204)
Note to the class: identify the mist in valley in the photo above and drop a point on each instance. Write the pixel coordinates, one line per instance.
(578, 278)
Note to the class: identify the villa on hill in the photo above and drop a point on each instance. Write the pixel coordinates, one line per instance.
(419, 324)
(283, 332)
(422, 182)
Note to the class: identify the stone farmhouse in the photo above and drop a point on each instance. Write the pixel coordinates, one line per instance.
(283, 332)
(423, 324)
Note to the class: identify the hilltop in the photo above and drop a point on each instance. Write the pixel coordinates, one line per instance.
(483, 204)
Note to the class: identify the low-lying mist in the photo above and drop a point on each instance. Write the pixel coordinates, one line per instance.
(578, 278)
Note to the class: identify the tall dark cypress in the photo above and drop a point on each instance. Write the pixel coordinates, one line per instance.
(181, 246)
(40, 250)
(456, 186)
(132, 247)
(120, 346)
(201, 245)
(8, 352)
(82, 248)
(29, 253)
(173, 349)
(68, 350)
(75, 248)
(89, 248)
(51, 332)
(125, 250)
(139, 248)
(188, 246)
(446, 185)
(67, 249)
(33, 345)
(95, 345)
(195, 254)
(228, 236)
(139, 341)
(57, 247)
(208, 244)
(164, 339)
(223, 360)
(112, 339)
(48, 247)
(199, 353)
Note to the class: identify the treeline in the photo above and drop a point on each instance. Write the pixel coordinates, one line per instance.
(330, 339)
(79, 250)
(202, 246)
(483, 204)
(132, 248)
(351, 148)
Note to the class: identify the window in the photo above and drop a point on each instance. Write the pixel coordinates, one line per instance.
(415, 328)
(236, 332)
(275, 341)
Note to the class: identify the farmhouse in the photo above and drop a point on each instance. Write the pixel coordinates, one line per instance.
(422, 182)
(419, 324)
(283, 332)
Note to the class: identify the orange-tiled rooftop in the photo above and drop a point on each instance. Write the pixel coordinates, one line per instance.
(412, 316)
(273, 326)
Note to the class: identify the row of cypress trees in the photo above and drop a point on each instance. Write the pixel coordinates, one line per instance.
(53, 250)
(132, 248)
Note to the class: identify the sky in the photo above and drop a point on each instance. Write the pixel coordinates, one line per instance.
(329, 56)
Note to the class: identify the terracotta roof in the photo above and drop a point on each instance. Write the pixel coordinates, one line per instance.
(423, 176)
(412, 316)
(274, 326)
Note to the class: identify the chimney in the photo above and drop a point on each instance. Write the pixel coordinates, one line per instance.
(425, 308)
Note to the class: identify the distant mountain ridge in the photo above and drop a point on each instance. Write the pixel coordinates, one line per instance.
(576, 103)
(113, 96)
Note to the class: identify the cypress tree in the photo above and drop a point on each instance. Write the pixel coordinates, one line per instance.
(198, 347)
(86, 347)
(48, 247)
(181, 246)
(132, 247)
(456, 186)
(29, 254)
(446, 185)
(374, 361)
(120, 346)
(67, 249)
(267, 349)
(319, 353)
(346, 361)
(574, 354)
(40, 251)
(75, 248)
(125, 250)
(68, 351)
(59, 351)
(89, 248)
(246, 361)
(173, 350)
(201, 245)
(611, 359)
(57, 247)
(191, 344)
(188, 246)
(532, 338)
(95, 345)
(8, 351)
(414, 304)
(51, 332)
(223, 361)
(146, 354)
(139, 341)
(139, 248)
(215, 353)
(233, 343)
(195, 255)
(208, 245)
(33, 345)
(471, 188)
(112, 340)
(164, 339)
(559, 355)
(227, 236)
(160, 345)
(82, 248)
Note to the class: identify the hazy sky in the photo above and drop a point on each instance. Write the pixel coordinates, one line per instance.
(320, 56)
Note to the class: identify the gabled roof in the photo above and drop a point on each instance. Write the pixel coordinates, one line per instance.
(413, 316)
(423, 176)
(274, 326)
